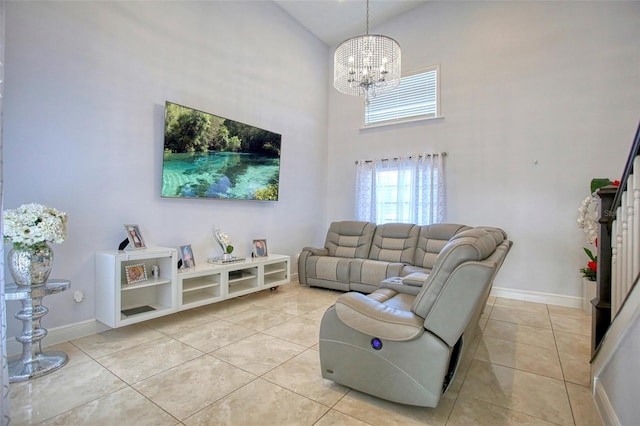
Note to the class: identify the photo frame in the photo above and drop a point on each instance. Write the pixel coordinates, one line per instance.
(134, 236)
(260, 248)
(135, 273)
(186, 254)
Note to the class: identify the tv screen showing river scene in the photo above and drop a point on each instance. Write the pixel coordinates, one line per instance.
(211, 157)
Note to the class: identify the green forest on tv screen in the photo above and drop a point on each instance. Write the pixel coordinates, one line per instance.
(206, 156)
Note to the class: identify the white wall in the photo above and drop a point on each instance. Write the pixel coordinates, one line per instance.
(86, 84)
(538, 98)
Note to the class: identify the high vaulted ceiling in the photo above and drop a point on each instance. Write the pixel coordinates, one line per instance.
(333, 21)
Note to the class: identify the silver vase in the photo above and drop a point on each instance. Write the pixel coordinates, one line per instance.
(30, 265)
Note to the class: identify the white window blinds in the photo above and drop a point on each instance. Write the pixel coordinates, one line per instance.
(416, 97)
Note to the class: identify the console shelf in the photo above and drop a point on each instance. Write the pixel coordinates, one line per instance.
(149, 283)
(123, 304)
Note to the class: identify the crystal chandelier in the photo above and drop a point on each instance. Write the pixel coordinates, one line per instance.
(367, 65)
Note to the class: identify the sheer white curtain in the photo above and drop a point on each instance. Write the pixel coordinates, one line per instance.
(4, 383)
(365, 191)
(408, 190)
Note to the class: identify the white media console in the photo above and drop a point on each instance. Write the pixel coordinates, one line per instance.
(119, 303)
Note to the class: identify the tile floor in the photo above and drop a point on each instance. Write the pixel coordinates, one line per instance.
(254, 361)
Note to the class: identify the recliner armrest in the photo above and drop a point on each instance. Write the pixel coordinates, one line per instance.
(416, 279)
(315, 251)
(377, 319)
(396, 284)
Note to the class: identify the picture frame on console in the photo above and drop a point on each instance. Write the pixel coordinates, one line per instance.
(134, 236)
(135, 273)
(188, 262)
(260, 248)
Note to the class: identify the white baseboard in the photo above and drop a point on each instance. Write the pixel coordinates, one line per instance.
(534, 296)
(60, 335)
(605, 409)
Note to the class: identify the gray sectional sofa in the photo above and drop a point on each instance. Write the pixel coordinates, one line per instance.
(360, 255)
(426, 287)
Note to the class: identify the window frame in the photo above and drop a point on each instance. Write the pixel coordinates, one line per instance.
(420, 117)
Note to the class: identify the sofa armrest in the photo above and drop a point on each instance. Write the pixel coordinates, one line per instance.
(376, 319)
(315, 251)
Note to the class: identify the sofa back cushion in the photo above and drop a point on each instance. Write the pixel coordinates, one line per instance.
(394, 242)
(350, 239)
(469, 246)
(431, 241)
(462, 299)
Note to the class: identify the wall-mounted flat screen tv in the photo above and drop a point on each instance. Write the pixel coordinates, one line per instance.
(211, 157)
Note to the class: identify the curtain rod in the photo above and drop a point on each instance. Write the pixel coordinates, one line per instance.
(435, 154)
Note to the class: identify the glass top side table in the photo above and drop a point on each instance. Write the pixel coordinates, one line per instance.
(33, 362)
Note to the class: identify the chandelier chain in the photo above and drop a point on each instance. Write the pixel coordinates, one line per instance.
(367, 17)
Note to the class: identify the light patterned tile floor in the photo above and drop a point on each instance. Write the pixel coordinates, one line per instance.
(254, 361)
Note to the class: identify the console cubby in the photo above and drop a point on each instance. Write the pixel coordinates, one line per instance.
(199, 287)
(123, 303)
(242, 281)
(276, 273)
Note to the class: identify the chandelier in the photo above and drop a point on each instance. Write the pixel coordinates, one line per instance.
(367, 65)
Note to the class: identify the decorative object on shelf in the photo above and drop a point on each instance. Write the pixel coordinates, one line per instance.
(220, 260)
(188, 261)
(260, 248)
(137, 310)
(588, 222)
(135, 273)
(155, 271)
(29, 228)
(134, 236)
(367, 65)
(223, 241)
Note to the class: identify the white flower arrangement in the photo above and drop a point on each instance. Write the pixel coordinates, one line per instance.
(33, 224)
(588, 218)
(223, 240)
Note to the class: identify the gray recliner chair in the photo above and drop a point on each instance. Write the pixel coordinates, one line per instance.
(406, 348)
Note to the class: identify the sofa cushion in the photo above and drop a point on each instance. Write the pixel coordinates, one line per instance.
(350, 239)
(394, 242)
(372, 271)
(431, 240)
(328, 268)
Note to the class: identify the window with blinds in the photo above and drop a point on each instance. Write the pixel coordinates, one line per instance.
(417, 97)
